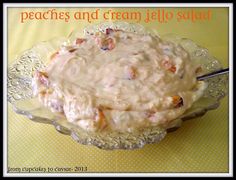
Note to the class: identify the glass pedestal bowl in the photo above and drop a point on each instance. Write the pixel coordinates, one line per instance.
(19, 91)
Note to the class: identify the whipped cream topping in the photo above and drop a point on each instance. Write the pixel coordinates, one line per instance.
(119, 80)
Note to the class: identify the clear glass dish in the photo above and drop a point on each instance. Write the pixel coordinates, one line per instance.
(20, 92)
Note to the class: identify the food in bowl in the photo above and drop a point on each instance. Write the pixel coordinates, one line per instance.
(120, 81)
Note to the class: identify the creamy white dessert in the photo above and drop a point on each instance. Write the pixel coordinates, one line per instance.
(119, 80)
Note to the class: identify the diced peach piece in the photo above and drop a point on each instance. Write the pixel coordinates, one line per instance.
(54, 55)
(131, 72)
(169, 66)
(105, 44)
(42, 93)
(79, 40)
(100, 118)
(198, 70)
(72, 50)
(177, 101)
(172, 69)
(111, 44)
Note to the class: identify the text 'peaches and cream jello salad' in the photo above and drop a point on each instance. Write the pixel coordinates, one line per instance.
(117, 80)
